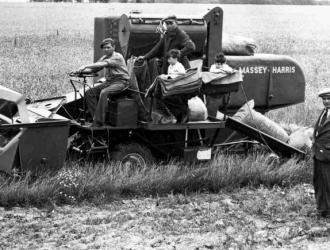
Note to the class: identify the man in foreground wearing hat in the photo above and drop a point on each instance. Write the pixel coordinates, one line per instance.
(173, 38)
(117, 80)
(321, 157)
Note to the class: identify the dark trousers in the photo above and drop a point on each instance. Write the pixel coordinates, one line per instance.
(155, 68)
(142, 75)
(321, 183)
(213, 103)
(97, 98)
(178, 105)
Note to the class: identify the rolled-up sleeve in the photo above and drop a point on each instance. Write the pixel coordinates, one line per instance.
(113, 61)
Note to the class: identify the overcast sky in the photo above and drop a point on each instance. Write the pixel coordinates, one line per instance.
(22, 1)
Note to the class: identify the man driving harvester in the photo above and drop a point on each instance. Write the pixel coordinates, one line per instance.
(117, 80)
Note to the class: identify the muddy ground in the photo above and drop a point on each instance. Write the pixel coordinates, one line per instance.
(242, 219)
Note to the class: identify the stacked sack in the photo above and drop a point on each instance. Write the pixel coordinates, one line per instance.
(238, 45)
(295, 136)
(300, 137)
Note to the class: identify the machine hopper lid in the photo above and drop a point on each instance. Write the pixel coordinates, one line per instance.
(189, 13)
(156, 19)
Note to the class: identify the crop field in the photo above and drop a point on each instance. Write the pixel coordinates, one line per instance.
(186, 207)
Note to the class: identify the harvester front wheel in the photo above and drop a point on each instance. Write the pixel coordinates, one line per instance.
(132, 156)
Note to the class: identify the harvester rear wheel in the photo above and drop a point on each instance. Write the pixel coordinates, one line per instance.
(132, 156)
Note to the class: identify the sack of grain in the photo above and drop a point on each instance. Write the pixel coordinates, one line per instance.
(238, 45)
(220, 115)
(197, 109)
(244, 111)
(290, 128)
(301, 138)
(249, 116)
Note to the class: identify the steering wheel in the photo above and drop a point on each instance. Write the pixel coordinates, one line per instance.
(77, 74)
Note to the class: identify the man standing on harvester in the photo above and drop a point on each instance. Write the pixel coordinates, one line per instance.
(321, 156)
(117, 80)
(174, 38)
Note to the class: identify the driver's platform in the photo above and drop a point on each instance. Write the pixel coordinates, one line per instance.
(153, 126)
(183, 126)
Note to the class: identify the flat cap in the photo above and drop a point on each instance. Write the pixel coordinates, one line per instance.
(106, 41)
(172, 17)
(324, 92)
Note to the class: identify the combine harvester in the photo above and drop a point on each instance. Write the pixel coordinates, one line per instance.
(41, 133)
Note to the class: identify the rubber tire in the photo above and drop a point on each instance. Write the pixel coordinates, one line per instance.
(139, 154)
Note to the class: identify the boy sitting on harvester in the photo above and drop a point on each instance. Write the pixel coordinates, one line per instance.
(175, 68)
(220, 64)
(177, 105)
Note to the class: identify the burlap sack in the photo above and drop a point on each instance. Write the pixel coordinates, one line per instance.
(244, 111)
(197, 109)
(238, 45)
(301, 138)
(220, 116)
(246, 114)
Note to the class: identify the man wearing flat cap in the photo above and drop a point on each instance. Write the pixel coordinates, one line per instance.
(117, 80)
(174, 38)
(321, 157)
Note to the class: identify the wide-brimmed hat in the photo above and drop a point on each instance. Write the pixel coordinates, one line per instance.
(106, 41)
(324, 93)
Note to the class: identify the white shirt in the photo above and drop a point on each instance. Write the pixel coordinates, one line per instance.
(176, 70)
(221, 68)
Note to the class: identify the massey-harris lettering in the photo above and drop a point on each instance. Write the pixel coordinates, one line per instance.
(265, 69)
(284, 69)
(254, 69)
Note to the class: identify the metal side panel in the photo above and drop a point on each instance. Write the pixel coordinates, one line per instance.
(43, 146)
(8, 152)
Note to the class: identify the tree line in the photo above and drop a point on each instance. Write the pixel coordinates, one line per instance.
(273, 2)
